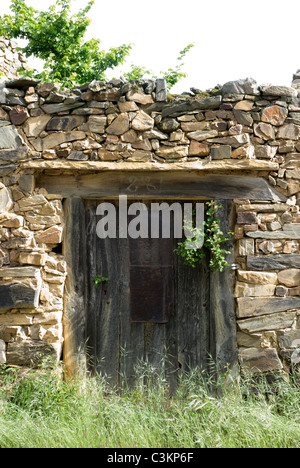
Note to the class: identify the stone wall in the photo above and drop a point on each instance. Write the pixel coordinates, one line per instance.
(11, 60)
(240, 130)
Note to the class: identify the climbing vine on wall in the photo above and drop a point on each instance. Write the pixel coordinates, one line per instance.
(212, 240)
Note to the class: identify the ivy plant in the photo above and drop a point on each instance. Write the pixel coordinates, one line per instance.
(213, 240)
(99, 279)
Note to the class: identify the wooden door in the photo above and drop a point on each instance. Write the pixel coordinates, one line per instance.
(153, 311)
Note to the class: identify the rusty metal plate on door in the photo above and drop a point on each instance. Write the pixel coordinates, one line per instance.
(151, 293)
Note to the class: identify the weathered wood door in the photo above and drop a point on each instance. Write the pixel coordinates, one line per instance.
(153, 309)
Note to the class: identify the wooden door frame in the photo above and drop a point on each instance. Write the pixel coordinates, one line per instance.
(222, 304)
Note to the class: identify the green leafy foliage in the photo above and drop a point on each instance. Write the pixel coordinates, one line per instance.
(57, 37)
(212, 242)
(172, 75)
(99, 279)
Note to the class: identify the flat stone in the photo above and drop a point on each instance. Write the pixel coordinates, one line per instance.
(289, 339)
(264, 131)
(24, 82)
(112, 94)
(35, 125)
(244, 105)
(142, 122)
(10, 138)
(260, 360)
(141, 156)
(274, 115)
(173, 152)
(199, 135)
(29, 353)
(279, 91)
(244, 86)
(96, 86)
(18, 115)
(168, 125)
(27, 204)
(180, 108)
(139, 97)
(235, 140)
(290, 277)
(56, 139)
(246, 217)
(277, 321)
(20, 272)
(120, 125)
(78, 156)
(53, 235)
(45, 89)
(257, 277)
(254, 290)
(11, 220)
(265, 151)
(128, 106)
(248, 341)
(106, 155)
(13, 156)
(33, 258)
(289, 231)
(243, 152)
(221, 152)
(61, 107)
(18, 296)
(252, 307)
(195, 126)
(198, 149)
(246, 247)
(97, 123)
(243, 118)
(65, 124)
(161, 90)
(289, 132)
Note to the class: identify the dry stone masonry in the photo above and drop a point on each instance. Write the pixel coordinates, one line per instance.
(11, 60)
(240, 129)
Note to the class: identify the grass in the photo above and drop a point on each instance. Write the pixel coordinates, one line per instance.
(40, 410)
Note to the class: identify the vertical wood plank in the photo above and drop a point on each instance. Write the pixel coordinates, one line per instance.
(224, 342)
(74, 310)
(131, 334)
(192, 302)
(103, 302)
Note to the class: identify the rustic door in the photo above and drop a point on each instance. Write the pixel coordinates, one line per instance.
(152, 311)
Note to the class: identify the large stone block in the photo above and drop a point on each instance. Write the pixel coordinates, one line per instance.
(29, 353)
(278, 321)
(257, 277)
(19, 296)
(290, 277)
(273, 262)
(10, 138)
(260, 360)
(274, 115)
(254, 290)
(252, 306)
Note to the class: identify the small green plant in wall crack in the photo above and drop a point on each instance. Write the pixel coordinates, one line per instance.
(212, 242)
(99, 279)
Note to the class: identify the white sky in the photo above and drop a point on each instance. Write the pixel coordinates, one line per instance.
(233, 38)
